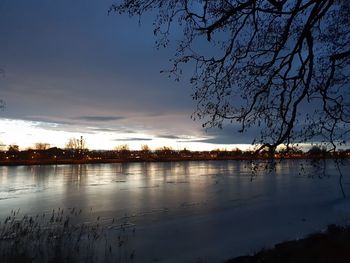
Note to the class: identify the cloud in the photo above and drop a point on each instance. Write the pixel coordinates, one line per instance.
(228, 135)
(132, 139)
(111, 130)
(168, 136)
(196, 140)
(43, 120)
(99, 118)
(175, 137)
(221, 138)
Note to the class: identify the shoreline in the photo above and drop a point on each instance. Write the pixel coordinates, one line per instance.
(143, 160)
(332, 245)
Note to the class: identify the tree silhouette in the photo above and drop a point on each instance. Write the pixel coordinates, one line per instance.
(122, 148)
(76, 144)
(279, 65)
(145, 148)
(41, 146)
(13, 148)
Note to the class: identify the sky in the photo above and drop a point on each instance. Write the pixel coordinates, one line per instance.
(72, 70)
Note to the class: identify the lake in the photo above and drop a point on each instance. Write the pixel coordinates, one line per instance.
(186, 211)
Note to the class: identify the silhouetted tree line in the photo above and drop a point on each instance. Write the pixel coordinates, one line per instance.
(123, 154)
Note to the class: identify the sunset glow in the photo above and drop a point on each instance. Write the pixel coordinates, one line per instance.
(27, 133)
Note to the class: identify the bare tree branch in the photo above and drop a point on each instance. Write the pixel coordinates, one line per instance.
(279, 65)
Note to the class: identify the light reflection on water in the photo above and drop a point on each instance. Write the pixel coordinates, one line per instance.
(157, 194)
(135, 187)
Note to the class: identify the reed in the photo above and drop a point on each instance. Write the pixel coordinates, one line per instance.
(60, 236)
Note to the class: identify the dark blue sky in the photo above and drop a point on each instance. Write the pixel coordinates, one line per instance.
(70, 67)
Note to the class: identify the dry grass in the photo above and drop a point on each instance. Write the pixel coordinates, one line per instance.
(59, 237)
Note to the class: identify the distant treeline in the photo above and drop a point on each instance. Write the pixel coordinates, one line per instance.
(54, 155)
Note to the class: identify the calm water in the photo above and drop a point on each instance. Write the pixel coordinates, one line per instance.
(185, 211)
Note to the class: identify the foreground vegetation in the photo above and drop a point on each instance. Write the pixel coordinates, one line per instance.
(60, 236)
(332, 246)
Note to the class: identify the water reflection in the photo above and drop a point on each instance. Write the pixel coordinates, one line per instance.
(176, 204)
(136, 188)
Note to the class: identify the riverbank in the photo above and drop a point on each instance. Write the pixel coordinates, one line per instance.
(332, 246)
(22, 239)
(55, 155)
(102, 161)
(139, 160)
